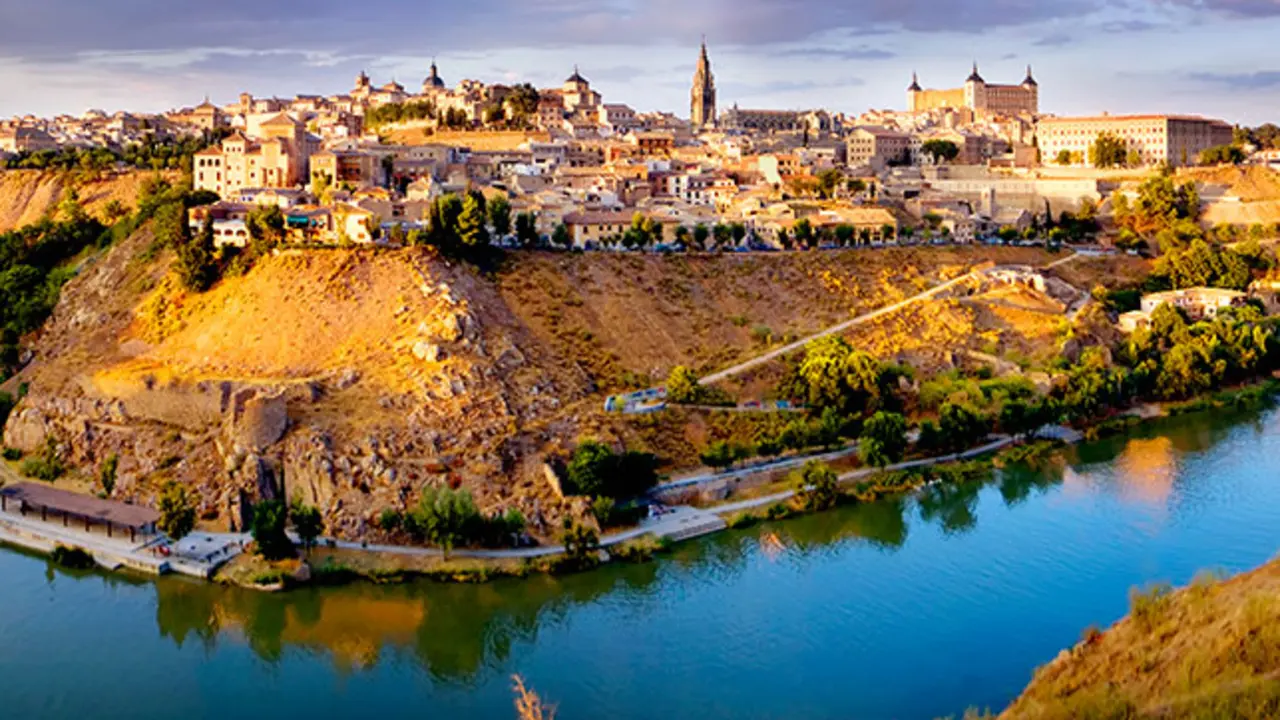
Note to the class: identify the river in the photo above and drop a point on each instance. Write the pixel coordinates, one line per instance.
(910, 609)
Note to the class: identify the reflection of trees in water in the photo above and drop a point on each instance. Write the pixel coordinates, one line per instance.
(454, 631)
(1018, 482)
(882, 523)
(951, 504)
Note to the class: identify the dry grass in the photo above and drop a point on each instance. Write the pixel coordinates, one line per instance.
(1210, 650)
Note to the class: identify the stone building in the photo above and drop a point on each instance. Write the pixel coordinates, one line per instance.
(978, 95)
(1175, 139)
(702, 109)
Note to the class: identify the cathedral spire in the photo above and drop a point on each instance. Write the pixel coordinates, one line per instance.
(702, 107)
(915, 83)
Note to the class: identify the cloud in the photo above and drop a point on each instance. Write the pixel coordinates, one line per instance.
(1261, 80)
(53, 27)
(1232, 8)
(1054, 40)
(1129, 26)
(831, 53)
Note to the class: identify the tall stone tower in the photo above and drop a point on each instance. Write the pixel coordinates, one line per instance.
(702, 107)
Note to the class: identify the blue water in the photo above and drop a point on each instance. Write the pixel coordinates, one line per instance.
(910, 609)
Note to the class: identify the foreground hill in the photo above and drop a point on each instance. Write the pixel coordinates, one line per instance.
(1211, 650)
(353, 377)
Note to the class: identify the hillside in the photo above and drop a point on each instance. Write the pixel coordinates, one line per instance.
(1210, 650)
(28, 195)
(358, 375)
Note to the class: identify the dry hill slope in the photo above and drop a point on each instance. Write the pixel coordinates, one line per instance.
(27, 195)
(360, 375)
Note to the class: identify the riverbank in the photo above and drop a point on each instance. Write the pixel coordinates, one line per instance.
(334, 562)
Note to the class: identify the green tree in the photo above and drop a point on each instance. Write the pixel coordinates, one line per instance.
(307, 521)
(561, 236)
(682, 236)
(107, 474)
(828, 181)
(1222, 155)
(719, 455)
(580, 542)
(595, 470)
(961, 426)
(472, 231)
(884, 439)
(1064, 157)
(834, 374)
(268, 530)
(722, 234)
(196, 266)
(177, 511)
(700, 235)
(940, 150)
(683, 387)
(738, 232)
(817, 486)
(500, 216)
(266, 227)
(446, 518)
(802, 230)
(844, 234)
(527, 229)
(1107, 151)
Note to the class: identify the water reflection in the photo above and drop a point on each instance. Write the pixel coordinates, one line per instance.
(454, 631)
(465, 634)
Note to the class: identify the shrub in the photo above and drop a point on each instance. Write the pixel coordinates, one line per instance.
(12, 454)
(41, 469)
(107, 474)
(268, 577)
(603, 510)
(390, 519)
(1148, 606)
(817, 486)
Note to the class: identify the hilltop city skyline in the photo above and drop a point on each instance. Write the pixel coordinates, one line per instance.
(1139, 58)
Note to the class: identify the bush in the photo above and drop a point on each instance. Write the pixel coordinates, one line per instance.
(12, 454)
(596, 471)
(603, 510)
(1149, 606)
(817, 486)
(391, 519)
(268, 577)
(48, 465)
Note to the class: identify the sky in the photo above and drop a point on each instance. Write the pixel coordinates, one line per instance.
(1212, 57)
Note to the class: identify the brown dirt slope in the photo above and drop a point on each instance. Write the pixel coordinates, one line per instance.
(354, 377)
(628, 319)
(1210, 650)
(27, 195)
